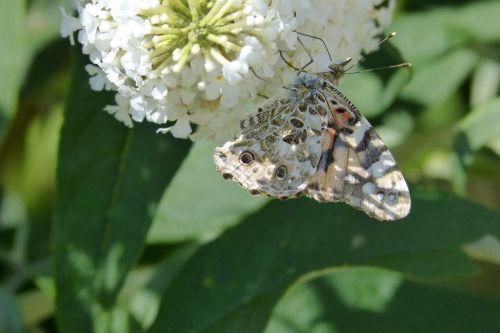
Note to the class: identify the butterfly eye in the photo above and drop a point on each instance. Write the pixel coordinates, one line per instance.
(246, 158)
(281, 172)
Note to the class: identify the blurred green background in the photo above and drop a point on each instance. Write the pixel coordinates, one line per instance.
(109, 229)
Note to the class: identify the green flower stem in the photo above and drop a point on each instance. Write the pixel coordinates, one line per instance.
(186, 50)
(218, 56)
(193, 7)
(229, 18)
(180, 7)
(218, 4)
(165, 30)
(221, 12)
(224, 42)
(234, 28)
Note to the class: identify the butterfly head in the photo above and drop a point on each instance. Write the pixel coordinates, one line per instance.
(336, 71)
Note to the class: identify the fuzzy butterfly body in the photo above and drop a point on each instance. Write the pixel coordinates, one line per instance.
(314, 142)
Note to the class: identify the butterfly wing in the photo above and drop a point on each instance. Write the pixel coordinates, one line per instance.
(355, 165)
(278, 148)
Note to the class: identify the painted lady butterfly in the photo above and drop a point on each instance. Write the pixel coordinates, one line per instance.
(313, 141)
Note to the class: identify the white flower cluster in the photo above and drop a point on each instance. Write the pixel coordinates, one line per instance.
(192, 61)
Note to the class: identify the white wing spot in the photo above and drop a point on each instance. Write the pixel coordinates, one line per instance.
(368, 188)
(377, 170)
(351, 179)
(387, 160)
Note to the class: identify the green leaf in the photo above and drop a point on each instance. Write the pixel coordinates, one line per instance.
(318, 307)
(144, 303)
(485, 82)
(476, 130)
(243, 273)
(482, 124)
(428, 34)
(219, 203)
(36, 307)
(470, 21)
(12, 59)
(43, 19)
(435, 81)
(110, 180)
(374, 92)
(366, 288)
(11, 320)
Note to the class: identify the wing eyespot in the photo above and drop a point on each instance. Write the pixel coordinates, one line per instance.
(347, 130)
(392, 197)
(380, 195)
(222, 156)
(281, 172)
(246, 158)
(296, 123)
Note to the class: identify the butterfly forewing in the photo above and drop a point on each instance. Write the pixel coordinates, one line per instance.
(361, 170)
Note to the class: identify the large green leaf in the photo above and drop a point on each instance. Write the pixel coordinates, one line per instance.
(438, 80)
(476, 130)
(43, 19)
(482, 124)
(10, 314)
(428, 34)
(145, 301)
(110, 180)
(219, 203)
(485, 82)
(369, 93)
(235, 280)
(11, 61)
(319, 307)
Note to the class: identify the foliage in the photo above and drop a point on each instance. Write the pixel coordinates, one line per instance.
(110, 229)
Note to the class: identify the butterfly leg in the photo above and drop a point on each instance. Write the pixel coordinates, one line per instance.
(288, 62)
(318, 38)
(311, 59)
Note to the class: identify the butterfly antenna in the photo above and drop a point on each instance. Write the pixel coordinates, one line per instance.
(403, 65)
(389, 36)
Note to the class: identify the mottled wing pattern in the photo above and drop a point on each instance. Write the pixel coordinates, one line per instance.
(355, 165)
(278, 148)
(314, 141)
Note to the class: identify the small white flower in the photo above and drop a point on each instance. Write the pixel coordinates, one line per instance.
(120, 110)
(191, 61)
(69, 25)
(98, 80)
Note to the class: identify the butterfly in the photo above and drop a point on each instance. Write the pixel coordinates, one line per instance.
(313, 141)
